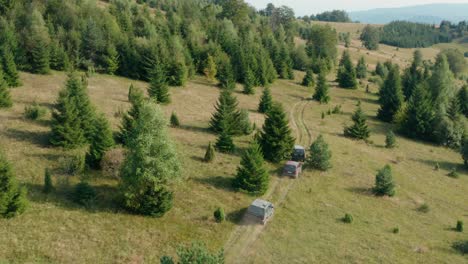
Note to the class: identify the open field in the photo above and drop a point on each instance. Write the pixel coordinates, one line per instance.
(306, 226)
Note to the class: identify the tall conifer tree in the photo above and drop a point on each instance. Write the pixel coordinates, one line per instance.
(5, 97)
(159, 89)
(359, 129)
(252, 176)
(390, 96)
(227, 112)
(346, 72)
(266, 101)
(321, 91)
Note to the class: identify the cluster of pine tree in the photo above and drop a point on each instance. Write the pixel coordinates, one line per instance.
(347, 72)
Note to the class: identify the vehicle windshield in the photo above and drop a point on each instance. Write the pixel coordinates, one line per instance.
(299, 152)
(290, 167)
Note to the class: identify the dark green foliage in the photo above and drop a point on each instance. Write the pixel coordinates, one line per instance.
(12, 197)
(159, 89)
(464, 152)
(9, 67)
(390, 139)
(101, 141)
(48, 185)
(84, 194)
(276, 140)
(226, 113)
(166, 260)
(321, 46)
(333, 16)
(73, 116)
(224, 142)
(459, 227)
(359, 129)
(209, 154)
(396, 230)
(346, 73)
(424, 208)
(370, 37)
(219, 215)
(320, 155)
(150, 166)
(135, 96)
(461, 246)
(361, 68)
(441, 84)
(381, 70)
(405, 34)
(5, 97)
(321, 91)
(174, 120)
(249, 82)
(266, 101)
(419, 116)
(413, 75)
(453, 174)
(39, 40)
(390, 96)
(308, 80)
(348, 218)
(198, 253)
(252, 176)
(34, 112)
(384, 182)
(225, 76)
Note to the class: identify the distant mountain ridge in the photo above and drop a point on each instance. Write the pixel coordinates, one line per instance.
(430, 13)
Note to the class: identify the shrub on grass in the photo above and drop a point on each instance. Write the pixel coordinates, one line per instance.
(34, 112)
(461, 246)
(384, 182)
(459, 227)
(73, 165)
(174, 120)
(13, 199)
(424, 208)
(84, 194)
(437, 167)
(453, 174)
(390, 139)
(348, 218)
(396, 230)
(210, 153)
(320, 155)
(219, 215)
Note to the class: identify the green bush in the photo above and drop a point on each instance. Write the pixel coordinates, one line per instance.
(34, 111)
(461, 246)
(73, 165)
(348, 218)
(390, 139)
(384, 182)
(424, 208)
(84, 194)
(174, 120)
(459, 227)
(219, 215)
(453, 174)
(396, 230)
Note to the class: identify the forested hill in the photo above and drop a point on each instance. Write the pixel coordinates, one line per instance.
(131, 38)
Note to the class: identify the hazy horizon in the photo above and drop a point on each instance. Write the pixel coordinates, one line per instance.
(306, 7)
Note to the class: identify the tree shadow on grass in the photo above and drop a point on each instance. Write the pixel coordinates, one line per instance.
(40, 139)
(361, 190)
(218, 182)
(444, 165)
(237, 217)
(365, 99)
(196, 128)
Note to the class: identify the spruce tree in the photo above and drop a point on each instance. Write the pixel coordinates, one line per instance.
(135, 94)
(308, 80)
(413, 75)
(159, 89)
(419, 116)
(209, 154)
(361, 68)
(464, 152)
(252, 176)
(441, 84)
(359, 129)
(390, 96)
(384, 182)
(463, 100)
(346, 73)
(321, 91)
(227, 112)
(48, 185)
(129, 119)
(10, 71)
(150, 165)
(249, 82)
(111, 59)
(265, 101)
(320, 155)
(210, 68)
(101, 141)
(39, 41)
(390, 139)
(5, 97)
(225, 76)
(381, 70)
(224, 142)
(12, 197)
(174, 120)
(276, 140)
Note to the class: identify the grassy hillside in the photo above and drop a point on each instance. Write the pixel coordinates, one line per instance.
(306, 225)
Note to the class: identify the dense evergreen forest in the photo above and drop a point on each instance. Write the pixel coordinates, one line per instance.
(129, 39)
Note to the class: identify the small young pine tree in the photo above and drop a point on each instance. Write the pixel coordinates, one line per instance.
(48, 185)
(249, 82)
(252, 176)
(210, 68)
(12, 197)
(347, 73)
(159, 89)
(381, 70)
(219, 215)
(174, 120)
(135, 94)
(209, 154)
(321, 92)
(101, 141)
(348, 218)
(459, 226)
(276, 140)
(359, 129)
(320, 155)
(384, 182)
(265, 101)
(308, 80)
(361, 68)
(390, 139)
(5, 97)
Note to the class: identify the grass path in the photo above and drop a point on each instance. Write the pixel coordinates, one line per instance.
(239, 245)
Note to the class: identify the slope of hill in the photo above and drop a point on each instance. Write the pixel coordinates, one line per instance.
(432, 14)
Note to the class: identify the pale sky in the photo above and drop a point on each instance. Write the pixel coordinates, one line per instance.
(307, 7)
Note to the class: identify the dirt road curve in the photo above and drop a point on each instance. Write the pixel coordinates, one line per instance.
(240, 243)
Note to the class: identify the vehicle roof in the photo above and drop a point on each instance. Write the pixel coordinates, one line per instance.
(298, 147)
(294, 163)
(261, 203)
